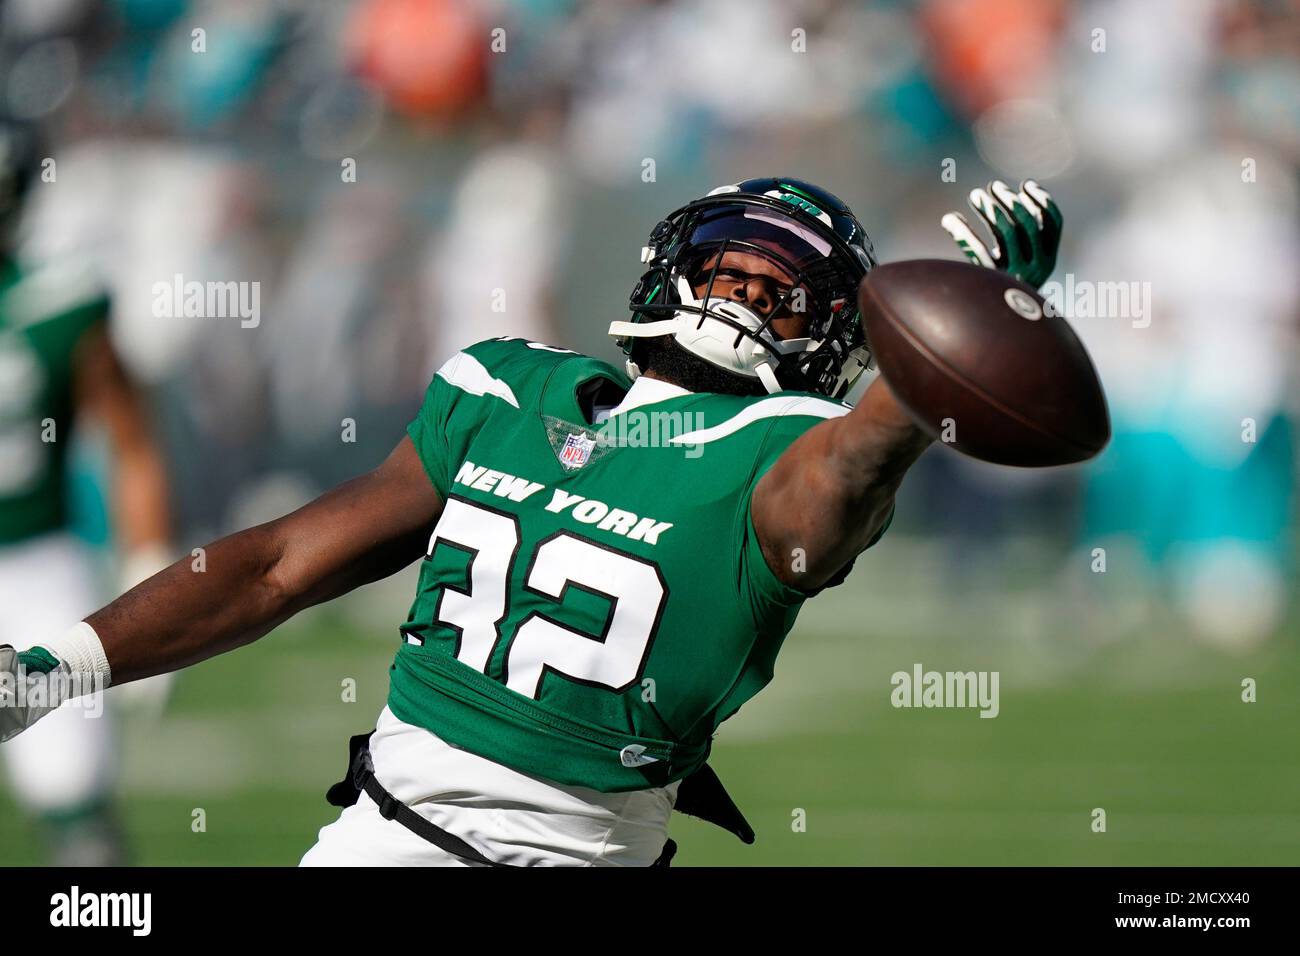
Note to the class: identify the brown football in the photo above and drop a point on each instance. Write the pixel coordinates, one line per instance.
(975, 356)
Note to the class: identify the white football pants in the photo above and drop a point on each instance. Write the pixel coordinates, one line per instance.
(506, 815)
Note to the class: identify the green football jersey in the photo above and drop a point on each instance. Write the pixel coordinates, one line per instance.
(593, 602)
(43, 315)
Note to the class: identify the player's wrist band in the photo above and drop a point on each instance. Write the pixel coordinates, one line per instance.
(80, 649)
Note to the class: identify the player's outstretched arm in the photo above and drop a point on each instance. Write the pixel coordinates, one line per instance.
(361, 531)
(246, 584)
(832, 490)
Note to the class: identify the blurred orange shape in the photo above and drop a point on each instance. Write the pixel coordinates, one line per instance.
(983, 52)
(426, 57)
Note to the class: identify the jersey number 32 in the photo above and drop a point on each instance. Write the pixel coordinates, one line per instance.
(614, 658)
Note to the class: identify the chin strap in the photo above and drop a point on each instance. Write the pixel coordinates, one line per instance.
(645, 330)
(765, 371)
(767, 376)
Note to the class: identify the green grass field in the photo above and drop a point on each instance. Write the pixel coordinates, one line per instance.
(1146, 725)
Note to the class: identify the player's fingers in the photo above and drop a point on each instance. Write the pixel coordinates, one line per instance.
(1004, 194)
(1051, 211)
(1009, 202)
(1029, 202)
(1020, 216)
(1036, 192)
(995, 209)
(955, 225)
(1025, 233)
(986, 207)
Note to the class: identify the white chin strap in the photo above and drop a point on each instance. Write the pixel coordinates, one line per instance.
(714, 340)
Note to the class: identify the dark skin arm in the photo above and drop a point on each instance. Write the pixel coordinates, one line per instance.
(832, 489)
(359, 532)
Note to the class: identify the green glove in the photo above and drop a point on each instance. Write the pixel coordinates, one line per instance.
(1026, 229)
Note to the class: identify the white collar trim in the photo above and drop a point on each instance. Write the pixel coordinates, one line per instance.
(647, 391)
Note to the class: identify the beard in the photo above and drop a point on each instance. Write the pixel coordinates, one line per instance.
(672, 363)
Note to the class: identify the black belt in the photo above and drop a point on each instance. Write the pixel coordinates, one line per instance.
(361, 779)
(700, 795)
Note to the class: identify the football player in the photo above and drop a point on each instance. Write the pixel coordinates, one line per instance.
(57, 368)
(610, 559)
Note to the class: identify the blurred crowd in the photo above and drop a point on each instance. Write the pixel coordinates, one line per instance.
(404, 177)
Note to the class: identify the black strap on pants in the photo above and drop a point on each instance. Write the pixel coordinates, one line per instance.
(700, 795)
(361, 779)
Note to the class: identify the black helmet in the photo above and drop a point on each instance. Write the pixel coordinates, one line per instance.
(809, 234)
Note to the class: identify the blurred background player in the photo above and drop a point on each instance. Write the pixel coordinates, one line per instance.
(58, 369)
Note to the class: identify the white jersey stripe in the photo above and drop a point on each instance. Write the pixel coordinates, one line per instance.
(776, 407)
(468, 374)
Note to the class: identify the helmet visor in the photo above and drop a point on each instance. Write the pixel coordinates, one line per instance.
(808, 273)
(798, 245)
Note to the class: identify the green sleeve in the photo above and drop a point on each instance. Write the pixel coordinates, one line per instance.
(761, 589)
(490, 377)
(452, 413)
(430, 435)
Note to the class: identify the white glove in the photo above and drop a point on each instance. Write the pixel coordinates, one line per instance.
(35, 681)
(32, 684)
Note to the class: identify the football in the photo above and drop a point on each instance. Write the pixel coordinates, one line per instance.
(980, 361)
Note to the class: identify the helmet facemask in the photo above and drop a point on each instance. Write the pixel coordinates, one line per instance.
(815, 274)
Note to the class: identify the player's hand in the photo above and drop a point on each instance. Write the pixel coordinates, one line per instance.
(29, 688)
(1025, 225)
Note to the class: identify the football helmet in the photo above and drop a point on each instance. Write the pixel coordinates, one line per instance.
(820, 252)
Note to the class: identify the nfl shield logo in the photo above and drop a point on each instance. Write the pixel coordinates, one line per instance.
(576, 451)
